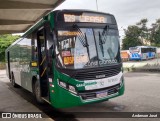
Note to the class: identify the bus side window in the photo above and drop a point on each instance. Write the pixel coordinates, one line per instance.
(50, 48)
(35, 53)
(34, 50)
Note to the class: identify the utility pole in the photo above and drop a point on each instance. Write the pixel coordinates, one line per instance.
(97, 5)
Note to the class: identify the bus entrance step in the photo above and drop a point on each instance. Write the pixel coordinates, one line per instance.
(46, 99)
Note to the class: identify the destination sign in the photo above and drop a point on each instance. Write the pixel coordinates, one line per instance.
(92, 18)
(69, 60)
(67, 33)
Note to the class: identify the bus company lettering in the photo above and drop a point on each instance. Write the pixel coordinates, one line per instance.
(103, 62)
(86, 84)
(92, 64)
(104, 82)
(107, 62)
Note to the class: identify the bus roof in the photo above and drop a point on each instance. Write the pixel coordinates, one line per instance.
(143, 47)
(81, 10)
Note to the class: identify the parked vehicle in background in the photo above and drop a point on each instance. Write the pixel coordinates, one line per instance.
(142, 52)
(125, 55)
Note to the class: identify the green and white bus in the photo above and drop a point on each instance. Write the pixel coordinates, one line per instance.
(69, 58)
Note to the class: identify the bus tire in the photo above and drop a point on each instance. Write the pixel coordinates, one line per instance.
(36, 88)
(13, 81)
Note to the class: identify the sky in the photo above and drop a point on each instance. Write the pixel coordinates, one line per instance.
(127, 12)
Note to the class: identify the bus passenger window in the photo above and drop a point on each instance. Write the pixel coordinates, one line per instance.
(50, 49)
(34, 50)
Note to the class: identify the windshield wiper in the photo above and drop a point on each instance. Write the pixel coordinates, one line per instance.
(101, 44)
(102, 39)
(104, 34)
(83, 38)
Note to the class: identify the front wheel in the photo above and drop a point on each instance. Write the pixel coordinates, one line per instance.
(37, 93)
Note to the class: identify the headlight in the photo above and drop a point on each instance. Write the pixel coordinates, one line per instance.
(63, 84)
(72, 89)
(67, 86)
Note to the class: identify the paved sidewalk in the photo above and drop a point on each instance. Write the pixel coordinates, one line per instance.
(12, 102)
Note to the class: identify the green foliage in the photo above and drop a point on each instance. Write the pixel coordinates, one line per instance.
(144, 34)
(5, 42)
(155, 33)
(132, 37)
(137, 35)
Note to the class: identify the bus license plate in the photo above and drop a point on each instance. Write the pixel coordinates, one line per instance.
(102, 94)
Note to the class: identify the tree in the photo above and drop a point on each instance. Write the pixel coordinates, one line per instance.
(144, 35)
(131, 37)
(136, 35)
(155, 33)
(140, 34)
(5, 42)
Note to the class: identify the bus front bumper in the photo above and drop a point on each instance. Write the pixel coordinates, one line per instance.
(62, 98)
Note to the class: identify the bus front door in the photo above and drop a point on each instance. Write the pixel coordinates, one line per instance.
(45, 48)
(42, 62)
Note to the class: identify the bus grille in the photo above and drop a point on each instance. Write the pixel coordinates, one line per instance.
(86, 95)
(92, 74)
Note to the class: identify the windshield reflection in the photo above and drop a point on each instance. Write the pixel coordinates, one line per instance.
(80, 48)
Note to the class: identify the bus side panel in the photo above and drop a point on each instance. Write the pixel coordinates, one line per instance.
(135, 56)
(144, 56)
(20, 58)
(26, 77)
(153, 54)
(7, 58)
(14, 62)
(17, 76)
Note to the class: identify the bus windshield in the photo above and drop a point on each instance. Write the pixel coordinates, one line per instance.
(80, 48)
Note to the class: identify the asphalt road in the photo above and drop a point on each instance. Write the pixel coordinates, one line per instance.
(142, 94)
